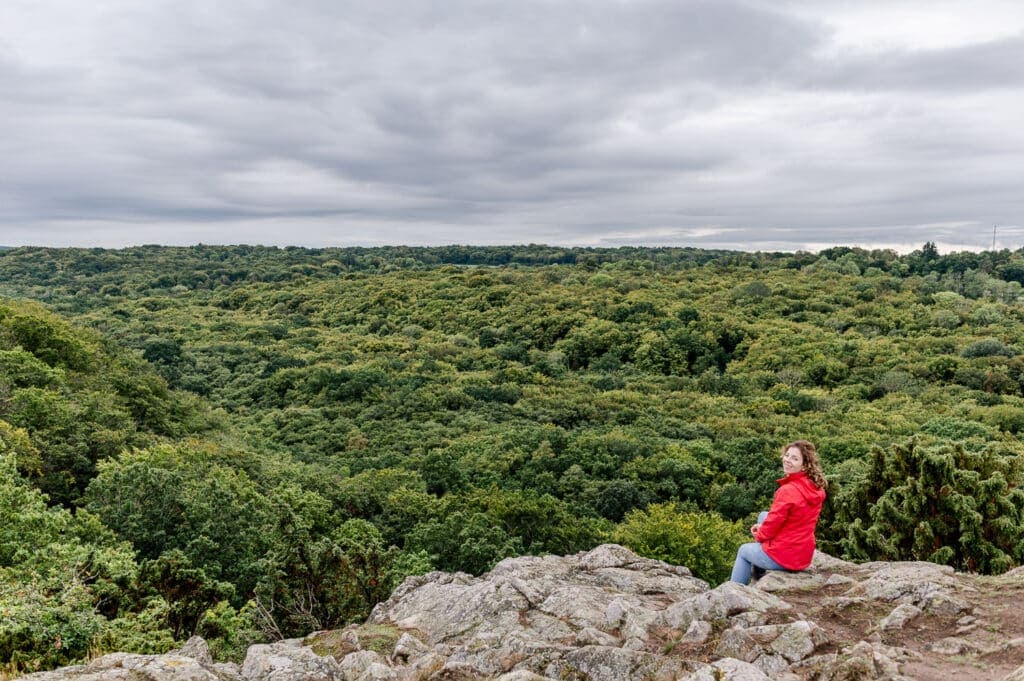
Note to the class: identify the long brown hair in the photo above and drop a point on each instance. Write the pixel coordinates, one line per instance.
(812, 464)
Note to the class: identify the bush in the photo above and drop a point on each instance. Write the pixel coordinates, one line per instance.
(462, 541)
(61, 577)
(704, 542)
(986, 314)
(618, 497)
(1005, 417)
(945, 319)
(322, 575)
(941, 504)
(987, 347)
(951, 428)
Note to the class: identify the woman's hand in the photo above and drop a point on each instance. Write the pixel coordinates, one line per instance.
(754, 529)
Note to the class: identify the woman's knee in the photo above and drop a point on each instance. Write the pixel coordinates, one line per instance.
(748, 551)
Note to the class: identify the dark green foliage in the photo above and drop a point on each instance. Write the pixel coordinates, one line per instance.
(827, 372)
(987, 347)
(463, 541)
(187, 590)
(472, 532)
(53, 342)
(22, 369)
(189, 500)
(63, 577)
(320, 574)
(949, 428)
(939, 503)
(80, 401)
(618, 497)
(442, 473)
(671, 474)
(366, 494)
(141, 503)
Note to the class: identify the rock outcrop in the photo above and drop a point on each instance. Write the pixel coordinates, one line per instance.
(610, 615)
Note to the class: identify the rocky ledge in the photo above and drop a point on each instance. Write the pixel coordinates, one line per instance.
(610, 615)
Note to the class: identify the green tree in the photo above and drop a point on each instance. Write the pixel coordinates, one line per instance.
(463, 541)
(321, 574)
(939, 503)
(188, 591)
(63, 577)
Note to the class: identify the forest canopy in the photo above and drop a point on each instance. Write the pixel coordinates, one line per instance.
(195, 440)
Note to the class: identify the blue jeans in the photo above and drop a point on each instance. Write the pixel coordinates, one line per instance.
(750, 556)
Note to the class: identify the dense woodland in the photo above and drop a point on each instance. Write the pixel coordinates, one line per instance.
(251, 443)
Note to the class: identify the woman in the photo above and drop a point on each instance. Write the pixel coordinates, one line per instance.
(785, 534)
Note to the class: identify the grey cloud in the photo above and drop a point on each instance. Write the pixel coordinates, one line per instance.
(524, 121)
(992, 65)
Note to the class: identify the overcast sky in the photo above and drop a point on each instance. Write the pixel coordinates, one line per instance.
(756, 125)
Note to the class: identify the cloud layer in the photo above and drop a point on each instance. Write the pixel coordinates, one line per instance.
(755, 125)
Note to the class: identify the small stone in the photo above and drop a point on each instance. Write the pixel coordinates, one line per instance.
(599, 663)
(899, 617)
(351, 638)
(772, 665)
(670, 670)
(421, 668)
(614, 613)
(777, 580)
(945, 604)
(738, 643)
(408, 647)
(859, 661)
(750, 618)
(812, 667)
(354, 665)
(589, 636)
(458, 672)
(634, 644)
(697, 633)
(608, 555)
(736, 670)
(521, 675)
(197, 649)
(789, 642)
(843, 602)
(798, 640)
(952, 646)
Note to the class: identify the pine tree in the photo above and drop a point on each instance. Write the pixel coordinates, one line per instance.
(941, 504)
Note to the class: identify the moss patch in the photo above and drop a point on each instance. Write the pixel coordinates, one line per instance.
(379, 638)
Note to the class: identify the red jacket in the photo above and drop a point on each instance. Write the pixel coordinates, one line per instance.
(787, 534)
